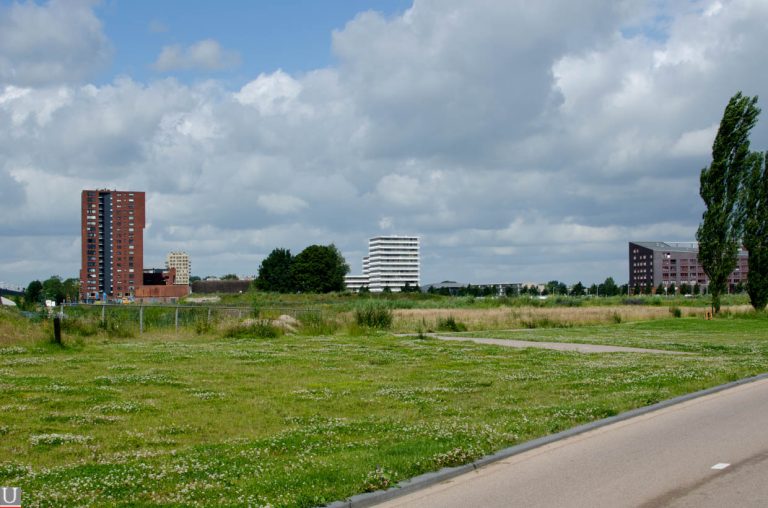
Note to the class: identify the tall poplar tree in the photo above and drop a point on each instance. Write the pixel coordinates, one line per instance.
(720, 186)
(755, 206)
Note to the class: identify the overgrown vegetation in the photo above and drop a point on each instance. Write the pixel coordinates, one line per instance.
(304, 420)
(374, 315)
(253, 329)
(449, 324)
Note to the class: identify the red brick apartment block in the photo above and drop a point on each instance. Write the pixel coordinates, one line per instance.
(112, 243)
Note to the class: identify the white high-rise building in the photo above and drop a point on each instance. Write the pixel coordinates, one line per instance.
(179, 261)
(392, 262)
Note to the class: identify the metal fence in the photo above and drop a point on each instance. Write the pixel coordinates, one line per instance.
(148, 317)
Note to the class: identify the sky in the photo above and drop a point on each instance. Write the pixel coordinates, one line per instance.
(522, 141)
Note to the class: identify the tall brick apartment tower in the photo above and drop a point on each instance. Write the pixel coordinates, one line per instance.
(112, 243)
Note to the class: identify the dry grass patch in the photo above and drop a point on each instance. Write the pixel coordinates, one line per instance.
(408, 320)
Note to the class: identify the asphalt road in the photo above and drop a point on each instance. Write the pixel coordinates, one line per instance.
(707, 452)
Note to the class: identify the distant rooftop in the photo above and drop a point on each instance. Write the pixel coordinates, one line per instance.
(670, 246)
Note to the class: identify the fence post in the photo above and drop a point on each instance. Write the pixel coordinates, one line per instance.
(103, 309)
(57, 330)
(177, 319)
(141, 319)
(209, 315)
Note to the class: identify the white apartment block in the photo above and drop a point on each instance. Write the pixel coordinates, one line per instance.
(392, 262)
(355, 283)
(179, 261)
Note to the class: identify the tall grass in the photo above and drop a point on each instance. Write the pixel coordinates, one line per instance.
(410, 320)
(15, 329)
(254, 329)
(450, 324)
(316, 323)
(374, 315)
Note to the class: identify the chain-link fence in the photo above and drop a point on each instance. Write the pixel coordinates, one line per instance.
(130, 319)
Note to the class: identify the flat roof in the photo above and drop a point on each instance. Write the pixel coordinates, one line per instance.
(670, 246)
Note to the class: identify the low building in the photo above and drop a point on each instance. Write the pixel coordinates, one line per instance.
(450, 287)
(159, 287)
(220, 286)
(654, 264)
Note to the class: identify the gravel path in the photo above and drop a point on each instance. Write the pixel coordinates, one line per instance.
(558, 346)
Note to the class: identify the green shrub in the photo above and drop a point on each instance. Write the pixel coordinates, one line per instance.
(316, 323)
(259, 329)
(449, 324)
(374, 315)
(676, 312)
(116, 328)
(203, 325)
(565, 301)
(544, 323)
(616, 318)
(80, 327)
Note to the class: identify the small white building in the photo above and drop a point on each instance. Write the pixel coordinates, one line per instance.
(392, 262)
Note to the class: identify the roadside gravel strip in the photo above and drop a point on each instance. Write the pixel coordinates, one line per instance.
(558, 346)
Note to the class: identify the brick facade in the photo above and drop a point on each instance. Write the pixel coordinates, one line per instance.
(112, 228)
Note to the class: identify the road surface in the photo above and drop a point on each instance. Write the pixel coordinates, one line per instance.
(707, 452)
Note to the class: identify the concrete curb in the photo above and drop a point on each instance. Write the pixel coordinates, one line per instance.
(427, 479)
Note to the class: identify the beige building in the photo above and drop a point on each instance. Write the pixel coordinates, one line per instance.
(179, 261)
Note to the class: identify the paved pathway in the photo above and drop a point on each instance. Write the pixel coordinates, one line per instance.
(711, 451)
(558, 346)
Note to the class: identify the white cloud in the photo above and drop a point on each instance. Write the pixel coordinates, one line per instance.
(401, 190)
(207, 55)
(695, 143)
(281, 204)
(270, 93)
(386, 223)
(520, 140)
(58, 41)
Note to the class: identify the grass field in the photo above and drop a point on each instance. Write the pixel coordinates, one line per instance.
(297, 420)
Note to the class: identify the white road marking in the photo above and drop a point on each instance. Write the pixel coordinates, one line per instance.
(720, 465)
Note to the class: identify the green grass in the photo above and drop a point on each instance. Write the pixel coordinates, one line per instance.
(745, 335)
(304, 420)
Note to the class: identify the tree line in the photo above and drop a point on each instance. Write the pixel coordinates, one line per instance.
(734, 189)
(54, 289)
(553, 287)
(316, 269)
